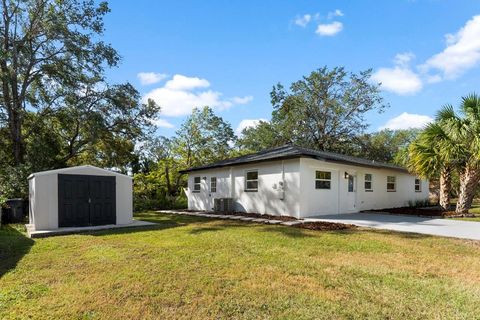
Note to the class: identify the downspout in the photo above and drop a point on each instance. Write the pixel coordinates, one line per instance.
(232, 184)
(283, 188)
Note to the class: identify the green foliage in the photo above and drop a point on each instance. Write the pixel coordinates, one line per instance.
(203, 137)
(56, 107)
(385, 146)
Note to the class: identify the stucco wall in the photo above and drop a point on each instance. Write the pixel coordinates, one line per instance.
(301, 199)
(266, 200)
(339, 200)
(44, 196)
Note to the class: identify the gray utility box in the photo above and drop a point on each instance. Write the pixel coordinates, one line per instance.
(223, 204)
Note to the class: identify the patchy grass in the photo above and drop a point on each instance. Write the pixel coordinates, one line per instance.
(475, 209)
(191, 267)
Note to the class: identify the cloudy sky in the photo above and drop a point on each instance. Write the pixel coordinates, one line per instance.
(229, 54)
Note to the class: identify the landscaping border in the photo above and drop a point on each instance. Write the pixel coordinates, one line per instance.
(317, 225)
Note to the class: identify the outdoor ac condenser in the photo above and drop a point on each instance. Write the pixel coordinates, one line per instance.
(223, 204)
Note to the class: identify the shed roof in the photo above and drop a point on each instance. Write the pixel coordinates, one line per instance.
(289, 152)
(67, 170)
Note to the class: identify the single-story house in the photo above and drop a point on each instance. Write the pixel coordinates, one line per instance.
(300, 182)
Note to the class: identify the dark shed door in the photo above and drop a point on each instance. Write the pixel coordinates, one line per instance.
(86, 200)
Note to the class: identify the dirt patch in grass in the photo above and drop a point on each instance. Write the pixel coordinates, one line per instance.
(256, 215)
(325, 226)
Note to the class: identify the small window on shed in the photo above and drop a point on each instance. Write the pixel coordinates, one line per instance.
(196, 184)
(368, 182)
(213, 184)
(391, 183)
(251, 181)
(418, 185)
(323, 179)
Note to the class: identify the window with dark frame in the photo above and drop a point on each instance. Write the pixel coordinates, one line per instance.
(418, 185)
(213, 184)
(197, 184)
(251, 181)
(368, 182)
(323, 179)
(391, 183)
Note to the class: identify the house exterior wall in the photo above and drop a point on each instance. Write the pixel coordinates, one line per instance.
(338, 200)
(300, 197)
(43, 194)
(231, 184)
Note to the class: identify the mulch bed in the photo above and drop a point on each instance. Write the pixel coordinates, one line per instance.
(325, 226)
(425, 212)
(256, 215)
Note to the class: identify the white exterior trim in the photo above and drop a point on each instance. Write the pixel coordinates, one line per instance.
(99, 171)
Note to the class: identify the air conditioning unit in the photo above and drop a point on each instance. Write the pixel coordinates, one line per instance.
(223, 204)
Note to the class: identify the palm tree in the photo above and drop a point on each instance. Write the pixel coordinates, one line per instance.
(467, 132)
(426, 157)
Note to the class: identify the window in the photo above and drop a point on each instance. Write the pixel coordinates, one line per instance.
(251, 181)
(391, 183)
(196, 184)
(323, 179)
(418, 185)
(351, 183)
(213, 184)
(368, 182)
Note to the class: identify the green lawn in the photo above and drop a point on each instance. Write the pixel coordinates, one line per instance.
(475, 209)
(190, 267)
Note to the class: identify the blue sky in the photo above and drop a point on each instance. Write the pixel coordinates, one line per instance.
(229, 54)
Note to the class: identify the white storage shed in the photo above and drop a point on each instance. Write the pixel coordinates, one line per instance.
(82, 196)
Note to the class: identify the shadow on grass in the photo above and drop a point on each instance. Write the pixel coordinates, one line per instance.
(13, 246)
(165, 221)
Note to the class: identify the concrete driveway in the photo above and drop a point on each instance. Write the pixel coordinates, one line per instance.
(430, 226)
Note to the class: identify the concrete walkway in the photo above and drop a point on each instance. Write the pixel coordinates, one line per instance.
(430, 226)
(32, 233)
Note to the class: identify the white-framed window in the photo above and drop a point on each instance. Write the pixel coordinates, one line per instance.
(213, 184)
(418, 185)
(391, 183)
(323, 179)
(368, 182)
(197, 184)
(251, 180)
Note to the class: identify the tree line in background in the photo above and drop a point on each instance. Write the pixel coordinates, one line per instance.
(57, 109)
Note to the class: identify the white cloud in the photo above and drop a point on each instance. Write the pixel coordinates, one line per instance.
(336, 13)
(162, 123)
(247, 123)
(329, 29)
(181, 94)
(147, 78)
(407, 121)
(180, 82)
(303, 20)
(403, 59)
(400, 79)
(241, 100)
(462, 51)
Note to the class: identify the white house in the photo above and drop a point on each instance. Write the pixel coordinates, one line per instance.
(301, 182)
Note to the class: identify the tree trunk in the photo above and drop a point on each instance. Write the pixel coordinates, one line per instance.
(15, 122)
(469, 180)
(445, 187)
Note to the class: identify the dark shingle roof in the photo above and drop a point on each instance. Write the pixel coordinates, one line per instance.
(289, 152)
